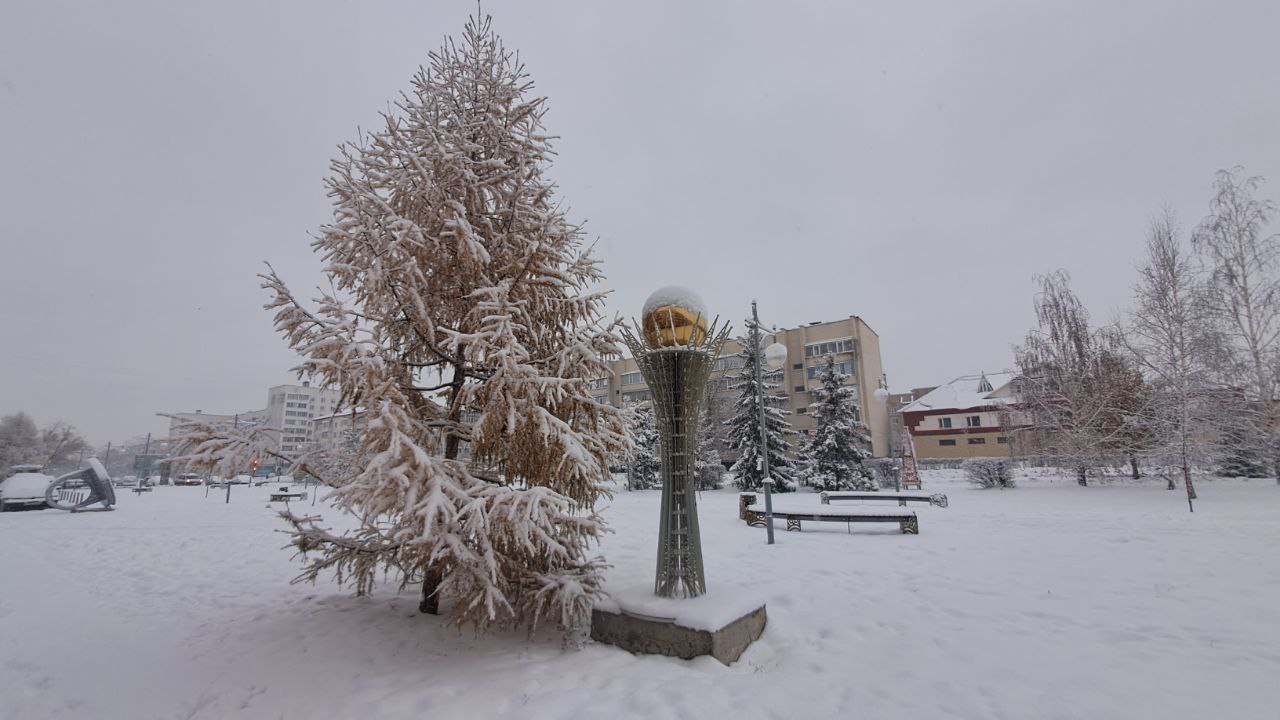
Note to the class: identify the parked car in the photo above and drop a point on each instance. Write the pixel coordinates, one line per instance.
(24, 488)
(240, 480)
(188, 479)
(127, 481)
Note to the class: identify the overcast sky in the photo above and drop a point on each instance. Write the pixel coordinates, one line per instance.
(912, 163)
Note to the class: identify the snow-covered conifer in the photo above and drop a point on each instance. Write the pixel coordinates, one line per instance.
(744, 426)
(643, 464)
(709, 467)
(832, 457)
(462, 321)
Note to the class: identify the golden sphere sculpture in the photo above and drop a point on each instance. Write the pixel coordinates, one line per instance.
(674, 316)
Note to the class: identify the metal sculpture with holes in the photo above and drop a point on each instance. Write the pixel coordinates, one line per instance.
(675, 350)
(80, 490)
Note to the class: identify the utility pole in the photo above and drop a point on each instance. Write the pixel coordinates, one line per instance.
(228, 480)
(764, 436)
(146, 452)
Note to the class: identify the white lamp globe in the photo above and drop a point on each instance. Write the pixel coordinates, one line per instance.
(881, 394)
(775, 356)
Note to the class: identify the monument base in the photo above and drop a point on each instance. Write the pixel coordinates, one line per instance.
(678, 628)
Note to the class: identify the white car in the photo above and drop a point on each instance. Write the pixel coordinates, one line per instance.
(25, 488)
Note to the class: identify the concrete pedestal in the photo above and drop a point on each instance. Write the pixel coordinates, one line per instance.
(655, 635)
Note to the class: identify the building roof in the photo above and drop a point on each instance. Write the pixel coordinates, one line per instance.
(348, 412)
(966, 392)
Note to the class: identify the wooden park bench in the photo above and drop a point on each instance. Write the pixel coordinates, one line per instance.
(937, 499)
(754, 515)
(284, 494)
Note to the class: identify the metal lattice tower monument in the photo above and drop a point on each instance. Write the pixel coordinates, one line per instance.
(675, 352)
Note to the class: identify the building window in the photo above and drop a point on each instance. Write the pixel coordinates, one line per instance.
(944, 422)
(801, 411)
(973, 421)
(946, 443)
(797, 366)
(1002, 440)
(977, 441)
(813, 372)
(632, 378)
(829, 348)
(798, 388)
(598, 383)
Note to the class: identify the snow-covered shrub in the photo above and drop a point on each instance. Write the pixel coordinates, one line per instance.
(989, 472)
(884, 471)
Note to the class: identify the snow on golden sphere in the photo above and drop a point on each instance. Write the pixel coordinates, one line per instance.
(674, 316)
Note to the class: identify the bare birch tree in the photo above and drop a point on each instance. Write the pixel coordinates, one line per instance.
(1170, 333)
(1072, 381)
(1243, 294)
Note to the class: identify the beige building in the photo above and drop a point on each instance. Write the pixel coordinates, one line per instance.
(971, 416)
(290, 409)
(854, 344)
(330, 431)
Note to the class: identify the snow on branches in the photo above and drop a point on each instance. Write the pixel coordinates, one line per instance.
(832, 458)
(460, 319)
(744, 426)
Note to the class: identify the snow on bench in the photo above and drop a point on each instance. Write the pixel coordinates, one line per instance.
(937, 499)
(754, 515)
(286, 494)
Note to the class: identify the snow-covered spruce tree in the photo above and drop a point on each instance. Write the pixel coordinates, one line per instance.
(462, 323)
(832, 457)
(643, 464)
(707, 464)
(744, 426)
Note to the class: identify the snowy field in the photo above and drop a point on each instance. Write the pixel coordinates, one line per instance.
(1047, 601)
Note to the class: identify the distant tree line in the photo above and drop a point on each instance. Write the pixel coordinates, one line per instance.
(57, 447)
(1187, 378)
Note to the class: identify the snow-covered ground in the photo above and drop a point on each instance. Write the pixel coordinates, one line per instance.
(1047, 601)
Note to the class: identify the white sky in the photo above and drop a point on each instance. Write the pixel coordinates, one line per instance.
(912, 163)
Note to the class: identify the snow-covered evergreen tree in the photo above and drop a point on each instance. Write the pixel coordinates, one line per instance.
(744, 426)
(832, 457)
(1240, 453)
(463, 323)
(643, 463)
(709, 467)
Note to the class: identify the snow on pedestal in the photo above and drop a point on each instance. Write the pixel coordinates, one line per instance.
(720, 623)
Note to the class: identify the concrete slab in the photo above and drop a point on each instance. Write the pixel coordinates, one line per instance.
(664, 636)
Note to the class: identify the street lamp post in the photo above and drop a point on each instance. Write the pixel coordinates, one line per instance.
(774, 356)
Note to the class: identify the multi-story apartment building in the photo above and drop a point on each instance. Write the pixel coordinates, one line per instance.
(971, 416)
(855, 346)
(224, 422)
(328, 432)
(290, 408)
